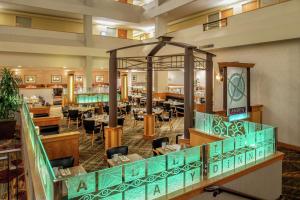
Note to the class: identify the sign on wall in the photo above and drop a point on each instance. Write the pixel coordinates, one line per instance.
(237, 93)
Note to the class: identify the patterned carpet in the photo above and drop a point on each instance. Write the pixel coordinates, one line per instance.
(290, 174)
(93, 158)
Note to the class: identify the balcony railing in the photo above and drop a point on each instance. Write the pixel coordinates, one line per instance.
(215, 24)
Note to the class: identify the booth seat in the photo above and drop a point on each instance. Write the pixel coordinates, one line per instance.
(49, 130)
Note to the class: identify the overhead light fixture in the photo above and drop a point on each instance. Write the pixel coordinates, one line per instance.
(19, 66)
(64, 67)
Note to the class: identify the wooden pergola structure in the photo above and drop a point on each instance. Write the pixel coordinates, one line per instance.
(150, 62)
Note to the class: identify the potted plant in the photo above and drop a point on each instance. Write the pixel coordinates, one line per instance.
(9, 103)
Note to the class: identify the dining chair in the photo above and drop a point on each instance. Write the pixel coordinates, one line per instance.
(120, 122)
(123, 150)
(106, 109)
(167, 117)
(65, 162)
(65, 112)
(137, 117)
(74, 116)
(157, 143)
(91, 128)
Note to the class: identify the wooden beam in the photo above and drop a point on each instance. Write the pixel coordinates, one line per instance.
(235, 64)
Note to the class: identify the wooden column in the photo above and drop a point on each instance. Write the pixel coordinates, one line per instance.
(112, 132)
(149, 118)
(188, 91)
(113, 75)
(209, 84)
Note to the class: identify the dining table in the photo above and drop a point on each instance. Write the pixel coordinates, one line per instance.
(156, 111)
(168, 149)
(128, 159)
(174, 103)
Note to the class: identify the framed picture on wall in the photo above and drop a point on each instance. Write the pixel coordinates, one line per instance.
(55, 78)
(30, 79)
(99, 78)
(78, 78)
(134, 78)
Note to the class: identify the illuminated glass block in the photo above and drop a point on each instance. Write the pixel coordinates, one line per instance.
(175, 182)
(156, 164)
(228, 164)
(192, 154)
(113, 197)
(192, 176)
(240, 141)
(136, 193)
(134, 170)
(175, 159)
(215, 149)
(269, 149)
(260, 152)
(270, 135)
(109, 177)
(228, 145)
(239, 160)
(156, 189)
(260, 136)
(250, 156)
(250, 139)
(215, 169)
(82, 184)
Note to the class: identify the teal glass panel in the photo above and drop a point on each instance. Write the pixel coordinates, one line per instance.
(192, 176)
(218, 125)
(175, 159)
(136, 193)
(250, 156)
(134, 170)
(269, 149)
(215, 149)
(238, 117)
(175, 182)
(156, 164)
(260, 153)
(215, 169)
(240, 141)
(228, 145)
(250, 139)
(156, 189)
(80, 185)
(260, 137)
(239, 160)
(113, 197)
(228, 164)
(270, 135)
(109, 177)
(192, 154)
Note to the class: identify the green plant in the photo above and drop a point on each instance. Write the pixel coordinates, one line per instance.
(9, 94)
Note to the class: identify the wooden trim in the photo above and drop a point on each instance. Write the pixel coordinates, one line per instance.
(192, 191)
(62, 145)
(289, 146)
(235, 64)
(46, 121)
(40, 110)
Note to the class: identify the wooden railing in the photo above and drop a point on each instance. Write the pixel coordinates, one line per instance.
(215, 24)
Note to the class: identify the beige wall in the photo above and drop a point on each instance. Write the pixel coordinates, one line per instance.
(43, 76)
(274, 83)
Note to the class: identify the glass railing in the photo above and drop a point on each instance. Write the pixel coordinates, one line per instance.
(244, 142)
(163, 176)
(41, 162)
(151, 178)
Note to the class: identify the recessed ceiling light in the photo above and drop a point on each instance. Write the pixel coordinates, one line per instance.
(19, 66)
(64, 67)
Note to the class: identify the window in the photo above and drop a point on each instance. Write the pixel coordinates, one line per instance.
(212, 18)
(23, 21)
(250, 6)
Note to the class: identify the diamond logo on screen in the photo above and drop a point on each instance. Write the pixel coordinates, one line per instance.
(236, 87)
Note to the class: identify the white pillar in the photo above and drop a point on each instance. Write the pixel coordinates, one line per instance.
(88, 39)
(161, 26)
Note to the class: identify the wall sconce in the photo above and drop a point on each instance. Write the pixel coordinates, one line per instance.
(219, 77)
